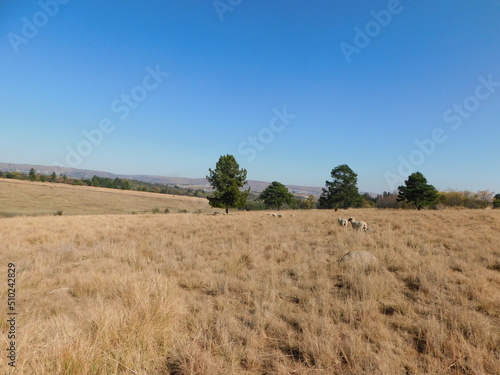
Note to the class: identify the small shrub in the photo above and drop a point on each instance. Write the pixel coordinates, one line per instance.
(166, 211)
(155, 210)
(58, 213)
(182, 211)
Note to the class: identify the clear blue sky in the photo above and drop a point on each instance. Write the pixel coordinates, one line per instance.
(174, 84)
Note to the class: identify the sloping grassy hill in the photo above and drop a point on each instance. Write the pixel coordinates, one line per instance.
(38, 198)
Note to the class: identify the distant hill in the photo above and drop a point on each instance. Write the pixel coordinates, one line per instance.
(196, 183)
(20, 198)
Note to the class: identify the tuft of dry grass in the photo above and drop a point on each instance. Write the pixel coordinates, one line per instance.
(249, 294)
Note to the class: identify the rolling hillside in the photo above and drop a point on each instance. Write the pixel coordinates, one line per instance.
(39, 198)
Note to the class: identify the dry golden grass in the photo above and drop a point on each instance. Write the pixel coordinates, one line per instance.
(252, 294)
(38, 198)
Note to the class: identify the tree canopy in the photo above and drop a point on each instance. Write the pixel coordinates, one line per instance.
(227, 179)
(496, 201)
(275, 195)
(417, 191)
(342, 191)
(32, 174)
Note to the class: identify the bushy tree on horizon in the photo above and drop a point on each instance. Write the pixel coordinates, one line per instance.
(342, 191)
(275, 195)
(417, 191)
(32, 174)
(496, 201)
(227, 180)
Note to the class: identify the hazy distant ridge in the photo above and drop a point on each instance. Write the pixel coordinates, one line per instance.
(181, 181)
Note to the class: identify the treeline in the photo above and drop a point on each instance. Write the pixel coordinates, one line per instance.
(106, 182)
(228, 182)
(254, 203)
(341, 192)
(445, 199)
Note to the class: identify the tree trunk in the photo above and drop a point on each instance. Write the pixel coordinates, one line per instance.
(227, 210)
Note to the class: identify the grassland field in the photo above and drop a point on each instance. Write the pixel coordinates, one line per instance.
(26, 198)
(245, 293)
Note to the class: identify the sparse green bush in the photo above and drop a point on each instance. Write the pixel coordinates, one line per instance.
(166, 211)
(155, 210)
(388, 200)
(255, 205)
(467, 199)
(58, 213)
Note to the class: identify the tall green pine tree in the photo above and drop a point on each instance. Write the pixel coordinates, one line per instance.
(417, 191)
(342, 191)
(275, 195)
(227, 179)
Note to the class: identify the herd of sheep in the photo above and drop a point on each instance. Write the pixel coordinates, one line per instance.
(356, 225)
(353, 258)
(280, 215)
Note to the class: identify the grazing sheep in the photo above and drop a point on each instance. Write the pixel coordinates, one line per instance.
(357, 225)
(273, 214)
(342, 222)
(280, 215)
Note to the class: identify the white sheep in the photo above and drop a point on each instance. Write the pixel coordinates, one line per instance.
(357, 225)
(280, 215)
(342, 222)
(273, 214)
